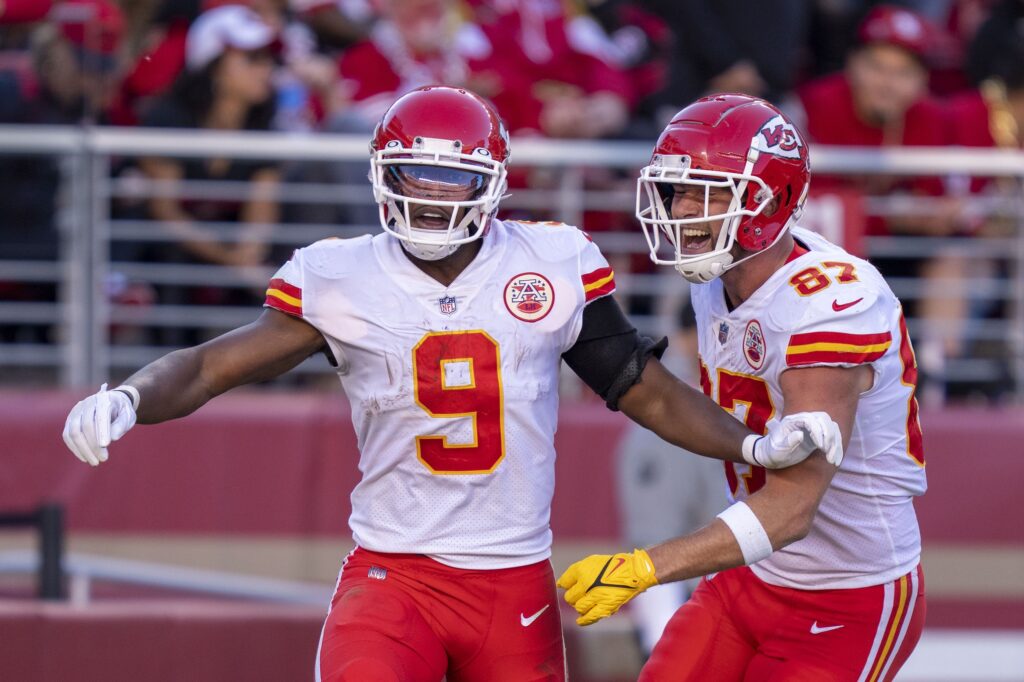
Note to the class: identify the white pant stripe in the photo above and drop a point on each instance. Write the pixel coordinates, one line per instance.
(319, 644)
(887, 601)
(906, 622)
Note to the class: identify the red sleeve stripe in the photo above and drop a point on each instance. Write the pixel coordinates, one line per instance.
(286, 288)
(284, 297)
(599, 291)
(835, 347)
(597, 276)
(273, 301)
(598, 283)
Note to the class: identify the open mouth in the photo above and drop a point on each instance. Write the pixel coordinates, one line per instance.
(695, 239)
(431, 218)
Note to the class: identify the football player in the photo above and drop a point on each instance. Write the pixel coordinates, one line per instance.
(447, 332)
(814, 572)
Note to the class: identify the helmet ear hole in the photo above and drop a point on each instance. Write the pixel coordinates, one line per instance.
(772, 207)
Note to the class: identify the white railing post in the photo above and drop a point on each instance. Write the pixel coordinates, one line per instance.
(100, 220)
(76, 292)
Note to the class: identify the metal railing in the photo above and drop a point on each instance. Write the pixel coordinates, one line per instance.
(570, 181)
(82, 570)
(47, 562)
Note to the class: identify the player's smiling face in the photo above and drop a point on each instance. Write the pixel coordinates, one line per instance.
(688, 202)
(434, 183)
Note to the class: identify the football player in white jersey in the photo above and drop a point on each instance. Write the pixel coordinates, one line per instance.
(447, 331)
(813, 572)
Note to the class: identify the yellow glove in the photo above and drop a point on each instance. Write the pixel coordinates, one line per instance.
(599, 585)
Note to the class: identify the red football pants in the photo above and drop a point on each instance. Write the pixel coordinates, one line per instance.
(408, 618)
(737, 628)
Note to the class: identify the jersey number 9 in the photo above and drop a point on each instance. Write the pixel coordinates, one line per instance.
(458, 374)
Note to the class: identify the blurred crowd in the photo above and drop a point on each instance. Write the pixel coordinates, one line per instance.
(895, 74)
(852, 72)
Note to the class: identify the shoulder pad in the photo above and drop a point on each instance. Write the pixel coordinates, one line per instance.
(551, 241)
(334, 257)
(853, 304)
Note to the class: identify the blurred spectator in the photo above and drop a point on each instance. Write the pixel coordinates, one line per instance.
(575, 84)
(415, 43)
(643, 45)
(160, 62)
(227, 86)
(732, 46)
(992, 115)
(995, 46)
(336, 23)
(74, 63)
(664, 491)
(23, 11)
(71, 79)
(881, 99)
(306, 81)
(523, 59)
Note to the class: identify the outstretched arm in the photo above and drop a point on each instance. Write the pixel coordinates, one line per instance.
(181, 382)
(683, 415)
(782, 511)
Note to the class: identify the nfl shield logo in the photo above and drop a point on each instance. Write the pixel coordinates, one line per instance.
(723, 333)
(447, 304)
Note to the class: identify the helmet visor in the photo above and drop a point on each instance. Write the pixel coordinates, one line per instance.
(434, 182)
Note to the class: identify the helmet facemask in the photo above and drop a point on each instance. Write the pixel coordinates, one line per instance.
(655, 188)
(437, 170)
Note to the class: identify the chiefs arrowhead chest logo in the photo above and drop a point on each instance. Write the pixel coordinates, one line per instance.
(529, 296)
(753, 345)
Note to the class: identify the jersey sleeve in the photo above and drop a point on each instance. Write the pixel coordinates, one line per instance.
(852, 329)
(597, 276)
(284, 292)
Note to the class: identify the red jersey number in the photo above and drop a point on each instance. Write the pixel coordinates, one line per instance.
(458, 374)
(751, 394)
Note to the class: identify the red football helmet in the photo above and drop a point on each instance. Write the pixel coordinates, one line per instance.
(442, 147)
(731, 141)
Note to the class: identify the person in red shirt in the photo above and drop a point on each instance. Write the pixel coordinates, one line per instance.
(415, 43)
(566, 61)
(881, 99)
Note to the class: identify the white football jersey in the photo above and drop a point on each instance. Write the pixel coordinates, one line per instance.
(453, 390)
(825, 308)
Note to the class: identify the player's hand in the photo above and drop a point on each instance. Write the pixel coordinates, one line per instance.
(599, 585)
(794, 438)
(96, 422)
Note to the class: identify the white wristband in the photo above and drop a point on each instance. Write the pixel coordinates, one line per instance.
(748, 449)
(749, 532)
(132, 393)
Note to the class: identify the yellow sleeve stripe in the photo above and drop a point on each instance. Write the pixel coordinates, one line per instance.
(290, 300)
(599, 283)
(840, 347)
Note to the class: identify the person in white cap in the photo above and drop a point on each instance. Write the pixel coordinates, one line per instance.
(227, 85)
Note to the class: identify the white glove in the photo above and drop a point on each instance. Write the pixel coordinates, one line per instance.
(96, 422)
(793, 439)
